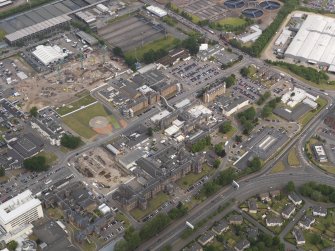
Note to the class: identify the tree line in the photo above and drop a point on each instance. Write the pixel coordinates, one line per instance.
(307, 73)
(191, 44)
(318, 192)
(133, 238)
(247, 119)
(269, 107)
(231, 27)
(201, 144)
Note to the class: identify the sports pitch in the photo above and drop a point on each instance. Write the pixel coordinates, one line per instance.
(79, 121)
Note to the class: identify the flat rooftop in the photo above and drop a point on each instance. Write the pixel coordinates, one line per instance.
(17, 206)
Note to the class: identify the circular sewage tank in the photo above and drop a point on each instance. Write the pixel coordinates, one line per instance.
(252, 13)
(234, 4)
(270, 5)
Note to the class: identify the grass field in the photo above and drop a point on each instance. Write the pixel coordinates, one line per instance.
(153, 204)
(292, 158)
(279, 167)
(233, 21)
(79, 121)
(50, 157)
(166, 43)
(55, 213)
(311, 114)
(86, 100)
(121, 217)
(191, 178)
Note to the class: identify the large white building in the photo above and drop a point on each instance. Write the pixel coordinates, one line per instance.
(315, 41)
(49, 54)
(296, 96)
(20, 210)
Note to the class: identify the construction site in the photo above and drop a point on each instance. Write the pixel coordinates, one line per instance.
(101, 169)
(59, 87)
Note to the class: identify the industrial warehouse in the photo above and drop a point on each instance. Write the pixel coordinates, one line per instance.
(42, 20)
(315, 41)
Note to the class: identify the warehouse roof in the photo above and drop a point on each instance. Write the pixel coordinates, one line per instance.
(20, 34)
(48, 54)
(87, 37)
(284, 36)
(314, 40)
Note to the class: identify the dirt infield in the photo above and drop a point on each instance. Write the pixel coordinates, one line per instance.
(101, 125)
(123, 123)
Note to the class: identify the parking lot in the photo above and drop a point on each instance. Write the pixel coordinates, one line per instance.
(249, 89)
(112, 230)
(194, 72)
(328, 5)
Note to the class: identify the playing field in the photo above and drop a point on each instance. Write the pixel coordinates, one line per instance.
(79, 121)
(83, 101)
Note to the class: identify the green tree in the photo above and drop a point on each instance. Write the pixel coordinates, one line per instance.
(245, 71)
(290, 187)
(230, 81)
(226, 177)
(33, 111)
(150, 132)
(36, 163)
(255, 164)
(307, 73)
(263, 98)
(266, 111)
(154, 226)
(12, 245)
(238, 138)
(315, 239)
(70, 141)
(130, 61)
(192, 45)
(209, 188)
(225, 127)
(133, 238)
(210, 248)
(201, 144)
(178, 212)
(217, 163)
(118, 52)
(166, 247)
(2, 171)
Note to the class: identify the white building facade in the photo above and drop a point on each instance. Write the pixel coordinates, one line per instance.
(21, 210)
